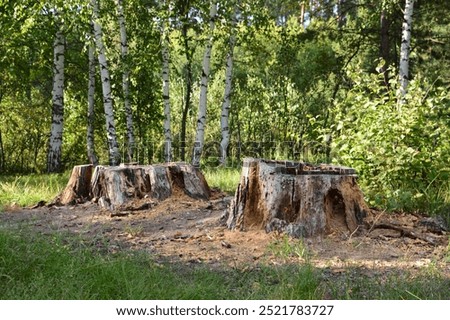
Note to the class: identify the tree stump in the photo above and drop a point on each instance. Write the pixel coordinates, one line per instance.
(300, 199)
(78, 188)
(114, 187)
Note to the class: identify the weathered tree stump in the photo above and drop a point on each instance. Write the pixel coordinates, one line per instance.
(299, 199)
(78, 188)
(114, 187)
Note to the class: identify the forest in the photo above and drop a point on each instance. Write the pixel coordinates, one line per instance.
(358, 83)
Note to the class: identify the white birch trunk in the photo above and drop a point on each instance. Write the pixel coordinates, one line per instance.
(226, 103)
(405, 49)
(302, 13)
(201, 119)
(114, 155)
(126, 82)
(166, 91)
(92, 156)
(56, 134)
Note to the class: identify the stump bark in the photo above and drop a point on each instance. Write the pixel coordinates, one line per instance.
(78, 188)
(300, 199)
(114, 187)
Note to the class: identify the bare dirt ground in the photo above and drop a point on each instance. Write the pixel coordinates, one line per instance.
(189, 231)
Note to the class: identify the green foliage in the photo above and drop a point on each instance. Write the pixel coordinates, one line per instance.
(294, 87)
(24, 141)
(401, 151)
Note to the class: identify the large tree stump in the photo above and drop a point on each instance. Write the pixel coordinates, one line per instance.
(114, 187)
(300, 199)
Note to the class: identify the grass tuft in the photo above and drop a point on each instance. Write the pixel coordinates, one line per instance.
(30, 189)
(288, 248)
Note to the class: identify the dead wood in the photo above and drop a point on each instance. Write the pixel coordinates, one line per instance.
(117, 188)
(406, 232)
(78, 188)
(300, 199)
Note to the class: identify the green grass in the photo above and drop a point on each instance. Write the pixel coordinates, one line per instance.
(427, 284)
(30, 189)
(288, 248)
(226, 179)
(48, 267)
(62, 266)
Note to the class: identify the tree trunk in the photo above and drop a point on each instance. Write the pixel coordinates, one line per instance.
(299, 199)
(226, 104)
(166, 89)
(341, 13)
(166, 101)
(92, 156)
(188, 93)
(384, 46)
(405, 49)
(113, 146)
(116, 188)
(126, 82)
(56, 134)
(78, 188)
(201, 119)
(302, 13)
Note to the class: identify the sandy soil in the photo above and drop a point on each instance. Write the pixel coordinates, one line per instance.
(190, 231)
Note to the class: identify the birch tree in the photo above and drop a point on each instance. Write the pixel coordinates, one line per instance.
(114, 155)
(384, 43)
(201, 118)
(188, 50)
(226, 103)
(166, 87)
(405, 49)
(56, 133)
(126, 81)
(92, 156)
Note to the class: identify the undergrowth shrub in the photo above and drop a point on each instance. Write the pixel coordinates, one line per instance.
(400, 150)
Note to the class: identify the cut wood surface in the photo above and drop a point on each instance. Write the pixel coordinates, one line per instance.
(297, 198)
(115, 186)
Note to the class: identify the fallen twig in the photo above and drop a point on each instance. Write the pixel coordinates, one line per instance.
(407, 233)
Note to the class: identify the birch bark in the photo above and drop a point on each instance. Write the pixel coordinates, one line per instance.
(201, 118)
(126, 81)
(226, 103)
(405, 49)
(92, 156)
(114, 155)
(166, 89)
(56, 133)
